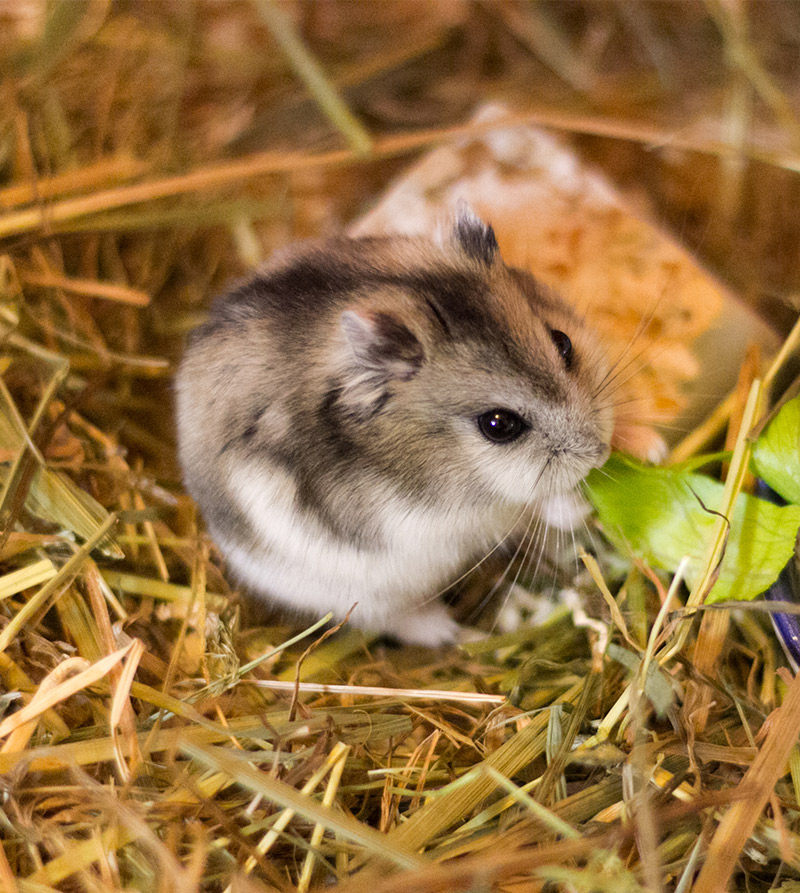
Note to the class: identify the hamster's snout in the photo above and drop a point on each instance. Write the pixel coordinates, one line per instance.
(575, 438)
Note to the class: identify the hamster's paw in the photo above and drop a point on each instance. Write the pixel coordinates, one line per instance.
(431, 626)
(643, 441)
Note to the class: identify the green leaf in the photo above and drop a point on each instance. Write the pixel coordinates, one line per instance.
(623, 656)
(657, 685)
(662, 515)
(658, 688)
(776, 455)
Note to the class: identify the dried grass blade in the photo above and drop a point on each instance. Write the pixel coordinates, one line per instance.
(14, 433)
(8, 883)
(742, 53)
(493, 810)
(548, 818)
(121, 712)
(246, 668)
(759, 781)
(122, 715)
(98, 174)
(378, 845)
(328, 799)
(453, 803)
(127, 826)
(58, 215)
(714, 625)
(18, 542)
(25, 577)
(378, 691)
(48, 696)
(55, 497)
(703, 434)
(151, 588)
(88, 288)
(352, 728)
(326, 656)
(16, 679)
(716, 546)
(60, 581)
(310, 72)
(493, 866)
(268, 840)
(80, 856)
(733, 485)
(685, 880)
(553, 777)
(794, 769)
(545, 39)
(51, 495)
(591, 565)
(789, 346)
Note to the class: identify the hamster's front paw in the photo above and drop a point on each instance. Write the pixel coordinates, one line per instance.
(431, 626)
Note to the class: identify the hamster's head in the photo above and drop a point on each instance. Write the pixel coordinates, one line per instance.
(479, 380)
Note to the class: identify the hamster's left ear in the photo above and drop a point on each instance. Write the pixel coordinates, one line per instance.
(476, 238)
(381, 344)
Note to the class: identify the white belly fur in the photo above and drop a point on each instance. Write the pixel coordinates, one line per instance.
(304, 567)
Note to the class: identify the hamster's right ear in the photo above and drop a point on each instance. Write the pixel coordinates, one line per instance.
(476, 238)
(382, 349)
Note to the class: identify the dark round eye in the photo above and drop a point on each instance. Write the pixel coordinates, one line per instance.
(563, 346)
(501, 425)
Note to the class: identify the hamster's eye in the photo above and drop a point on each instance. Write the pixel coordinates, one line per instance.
(563, 346)
(501, 425)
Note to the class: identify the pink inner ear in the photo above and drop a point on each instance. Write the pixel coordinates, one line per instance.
(382, 343)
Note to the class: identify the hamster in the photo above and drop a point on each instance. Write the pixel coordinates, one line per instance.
(363, 419)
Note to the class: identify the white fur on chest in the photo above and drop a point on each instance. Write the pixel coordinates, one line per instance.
(421, 551)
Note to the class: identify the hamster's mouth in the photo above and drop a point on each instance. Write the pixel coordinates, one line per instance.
(570, 466)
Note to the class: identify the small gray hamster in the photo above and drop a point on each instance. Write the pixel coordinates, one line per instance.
(362, 419)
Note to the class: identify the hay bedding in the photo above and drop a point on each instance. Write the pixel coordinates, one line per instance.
(149, 739)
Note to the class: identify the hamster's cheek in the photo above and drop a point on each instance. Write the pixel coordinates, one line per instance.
(511, 475)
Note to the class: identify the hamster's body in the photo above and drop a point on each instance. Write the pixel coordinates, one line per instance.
(363, 419)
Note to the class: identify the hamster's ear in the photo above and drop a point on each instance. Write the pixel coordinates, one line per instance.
(476, 238)
(382, 344)
(382, 349)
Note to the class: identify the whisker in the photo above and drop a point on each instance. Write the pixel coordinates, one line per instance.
(607, 382)
(526, 507)
(605, 473)
(589, 533)
(481, 560)
(574, 546)
(644, 323)
(537, 516)
(617, 403)
(509, 564)
(534, 536)
(558, 532)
